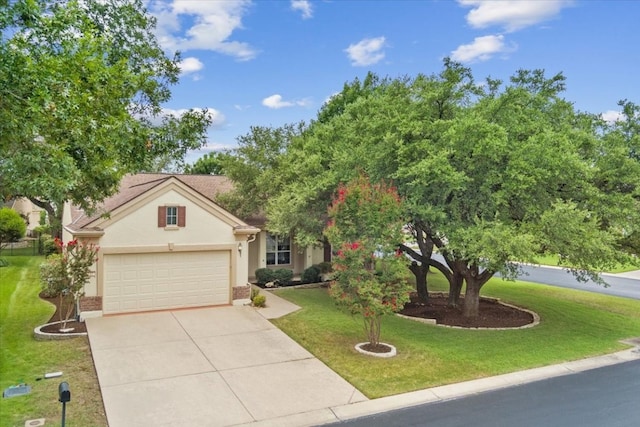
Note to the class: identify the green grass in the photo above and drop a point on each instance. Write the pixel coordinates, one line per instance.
(554, 260)
(23, 359)
(574, 325)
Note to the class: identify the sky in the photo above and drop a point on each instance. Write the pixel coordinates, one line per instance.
(269, 63)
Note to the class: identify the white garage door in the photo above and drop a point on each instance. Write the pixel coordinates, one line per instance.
(156, 281)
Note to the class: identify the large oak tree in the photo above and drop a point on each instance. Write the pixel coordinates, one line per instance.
(491, 173)
(82, 85)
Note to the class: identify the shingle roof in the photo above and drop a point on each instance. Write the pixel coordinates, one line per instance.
(133, 186)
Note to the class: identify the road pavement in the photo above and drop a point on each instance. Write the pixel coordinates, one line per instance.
(600, 397)
(623, 285)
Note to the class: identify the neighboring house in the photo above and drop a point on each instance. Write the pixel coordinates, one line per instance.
(29, 211)
(166, 244)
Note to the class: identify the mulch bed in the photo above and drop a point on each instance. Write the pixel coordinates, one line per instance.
(492, 314)
(55, 329)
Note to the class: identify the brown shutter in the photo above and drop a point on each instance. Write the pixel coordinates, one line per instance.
(162, 216)
(182, 216)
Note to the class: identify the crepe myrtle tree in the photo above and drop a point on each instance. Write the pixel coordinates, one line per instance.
(365, 225)
(65, 273)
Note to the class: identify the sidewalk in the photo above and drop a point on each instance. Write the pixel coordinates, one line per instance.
(629, 274)
(277, 305)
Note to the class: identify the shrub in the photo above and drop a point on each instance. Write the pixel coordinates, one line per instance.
(311, 275)
(325, 267)
(265, 275)
(283, 276)
(47, 245)
(254, 293)
(259, 301)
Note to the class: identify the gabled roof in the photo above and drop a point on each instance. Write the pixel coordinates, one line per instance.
(133, 186)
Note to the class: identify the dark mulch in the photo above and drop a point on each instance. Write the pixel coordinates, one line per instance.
(55, 329)
(492, 314)
(378, 348)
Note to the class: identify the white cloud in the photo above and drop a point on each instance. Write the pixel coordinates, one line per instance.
(366, 52)
(217, 118)
(211, 24)
(612, 116)
(276, 102)
(512, 15)
(190, 65)
(481, 49)
(303, 6)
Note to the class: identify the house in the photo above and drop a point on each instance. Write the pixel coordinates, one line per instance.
(29, 211)
(166, 244)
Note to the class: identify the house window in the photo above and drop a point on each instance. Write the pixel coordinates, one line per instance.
(278, 250)
(172, 216)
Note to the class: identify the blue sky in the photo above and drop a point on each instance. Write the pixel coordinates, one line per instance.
(269, 63)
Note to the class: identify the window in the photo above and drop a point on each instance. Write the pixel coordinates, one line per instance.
(172, 216)
(278, 250)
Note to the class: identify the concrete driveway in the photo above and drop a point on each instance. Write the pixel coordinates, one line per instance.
(211, 367)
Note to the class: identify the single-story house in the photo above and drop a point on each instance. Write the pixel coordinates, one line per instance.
(166, 244)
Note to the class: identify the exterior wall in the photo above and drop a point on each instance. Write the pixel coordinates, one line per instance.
(139, 227)
(301, 258)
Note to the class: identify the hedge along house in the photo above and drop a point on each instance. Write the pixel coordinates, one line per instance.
(166, 244)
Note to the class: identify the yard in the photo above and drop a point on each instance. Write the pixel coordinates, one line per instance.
(573, 325)
(23, 359)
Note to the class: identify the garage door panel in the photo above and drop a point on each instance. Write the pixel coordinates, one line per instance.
(140, 282)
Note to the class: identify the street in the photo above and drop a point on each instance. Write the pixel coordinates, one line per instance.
(603, 397)
(618, 286)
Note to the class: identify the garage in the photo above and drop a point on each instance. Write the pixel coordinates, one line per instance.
(165, 280)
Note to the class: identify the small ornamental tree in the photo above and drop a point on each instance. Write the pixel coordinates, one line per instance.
(65, 273)
(365, 226)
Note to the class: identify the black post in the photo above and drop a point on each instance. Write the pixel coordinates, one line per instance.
(64, 396)
(64, 413)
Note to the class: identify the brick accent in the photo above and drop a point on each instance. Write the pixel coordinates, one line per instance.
(90, 303)
(242, 292)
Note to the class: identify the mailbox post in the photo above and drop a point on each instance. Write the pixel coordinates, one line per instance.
(64, 396)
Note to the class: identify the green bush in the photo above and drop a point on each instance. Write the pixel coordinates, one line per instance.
(265, 275)
(311, 275)
(283, 276)
(259, 301)
(254, 293)
(325, 267)
(47, 245)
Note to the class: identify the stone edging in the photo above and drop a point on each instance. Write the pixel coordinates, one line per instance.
(536, 319)
(391, 353)
(47, 336)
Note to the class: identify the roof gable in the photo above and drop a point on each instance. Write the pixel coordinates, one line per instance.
(136, 189)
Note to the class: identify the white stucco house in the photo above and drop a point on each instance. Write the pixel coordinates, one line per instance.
(166, 244)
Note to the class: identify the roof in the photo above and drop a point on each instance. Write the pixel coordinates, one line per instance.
(133, 186)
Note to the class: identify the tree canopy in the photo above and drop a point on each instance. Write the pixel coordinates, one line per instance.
(491, 173)
(82, 85)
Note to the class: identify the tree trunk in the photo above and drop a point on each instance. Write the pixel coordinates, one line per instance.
(455, 287)
(421, 271)
(471, 306)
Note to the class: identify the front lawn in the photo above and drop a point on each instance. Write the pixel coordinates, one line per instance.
(574, 325)
(23, 359)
